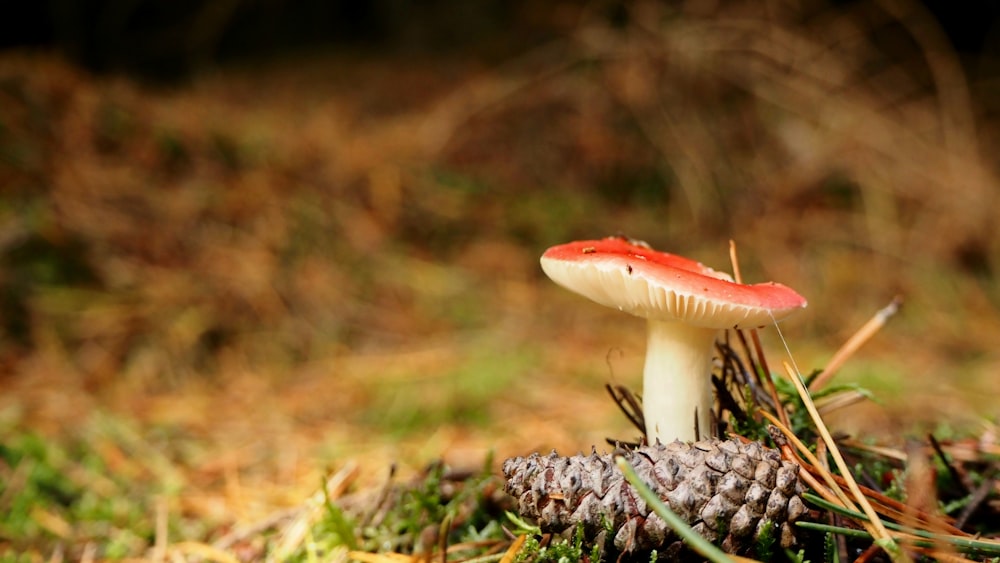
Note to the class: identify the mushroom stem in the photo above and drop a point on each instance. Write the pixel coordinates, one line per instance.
(677, 381)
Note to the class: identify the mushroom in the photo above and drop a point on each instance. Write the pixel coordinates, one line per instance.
(685, 304)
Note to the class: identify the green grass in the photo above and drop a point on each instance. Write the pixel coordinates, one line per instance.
(63, 496)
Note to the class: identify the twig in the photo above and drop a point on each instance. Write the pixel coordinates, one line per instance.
(841, 400)
(760, 390)
(732, 362)
(952, 470)
(628, 404)
(882, 451)
(372, 518)
(726, 400)
(856, 341)
(979, 496)
(768, 383)
(735, 261)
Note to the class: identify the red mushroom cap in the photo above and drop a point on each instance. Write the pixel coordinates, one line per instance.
(619, 273)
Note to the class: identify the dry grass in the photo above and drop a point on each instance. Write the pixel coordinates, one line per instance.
(276, 268)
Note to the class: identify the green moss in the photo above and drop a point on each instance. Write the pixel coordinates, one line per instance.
(558, 550)
(414, 517)
(54, 493)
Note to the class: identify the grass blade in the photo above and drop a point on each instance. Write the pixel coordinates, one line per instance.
(917, 538)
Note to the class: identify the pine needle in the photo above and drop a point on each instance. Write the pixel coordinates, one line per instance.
(832, 489)
(857, 340)
(755, 338)
(390, 557)
(203, 551)
(882, 537)
(514, 549)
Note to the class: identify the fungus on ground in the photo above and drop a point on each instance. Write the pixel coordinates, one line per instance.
(685, 303)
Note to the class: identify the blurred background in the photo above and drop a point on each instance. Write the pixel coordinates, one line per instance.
(244, 240)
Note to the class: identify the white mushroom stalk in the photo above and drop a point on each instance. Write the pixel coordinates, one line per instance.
(685, 304)
(677, 394)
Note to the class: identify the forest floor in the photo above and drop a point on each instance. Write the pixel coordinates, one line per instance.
(217, 293)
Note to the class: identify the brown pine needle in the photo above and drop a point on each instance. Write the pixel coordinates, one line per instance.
(887, 506)
(765, 371)
(832, 492)
(765, 375)
(389, 557)
(840, 401)
(491, 544)
(893, 509)
(836, 485)
(857, 341)
(882, 451)
(735, 260)
(513, 550)
(881, 534)
(203, 551)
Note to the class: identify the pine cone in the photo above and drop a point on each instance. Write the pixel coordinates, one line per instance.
(727, 490)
